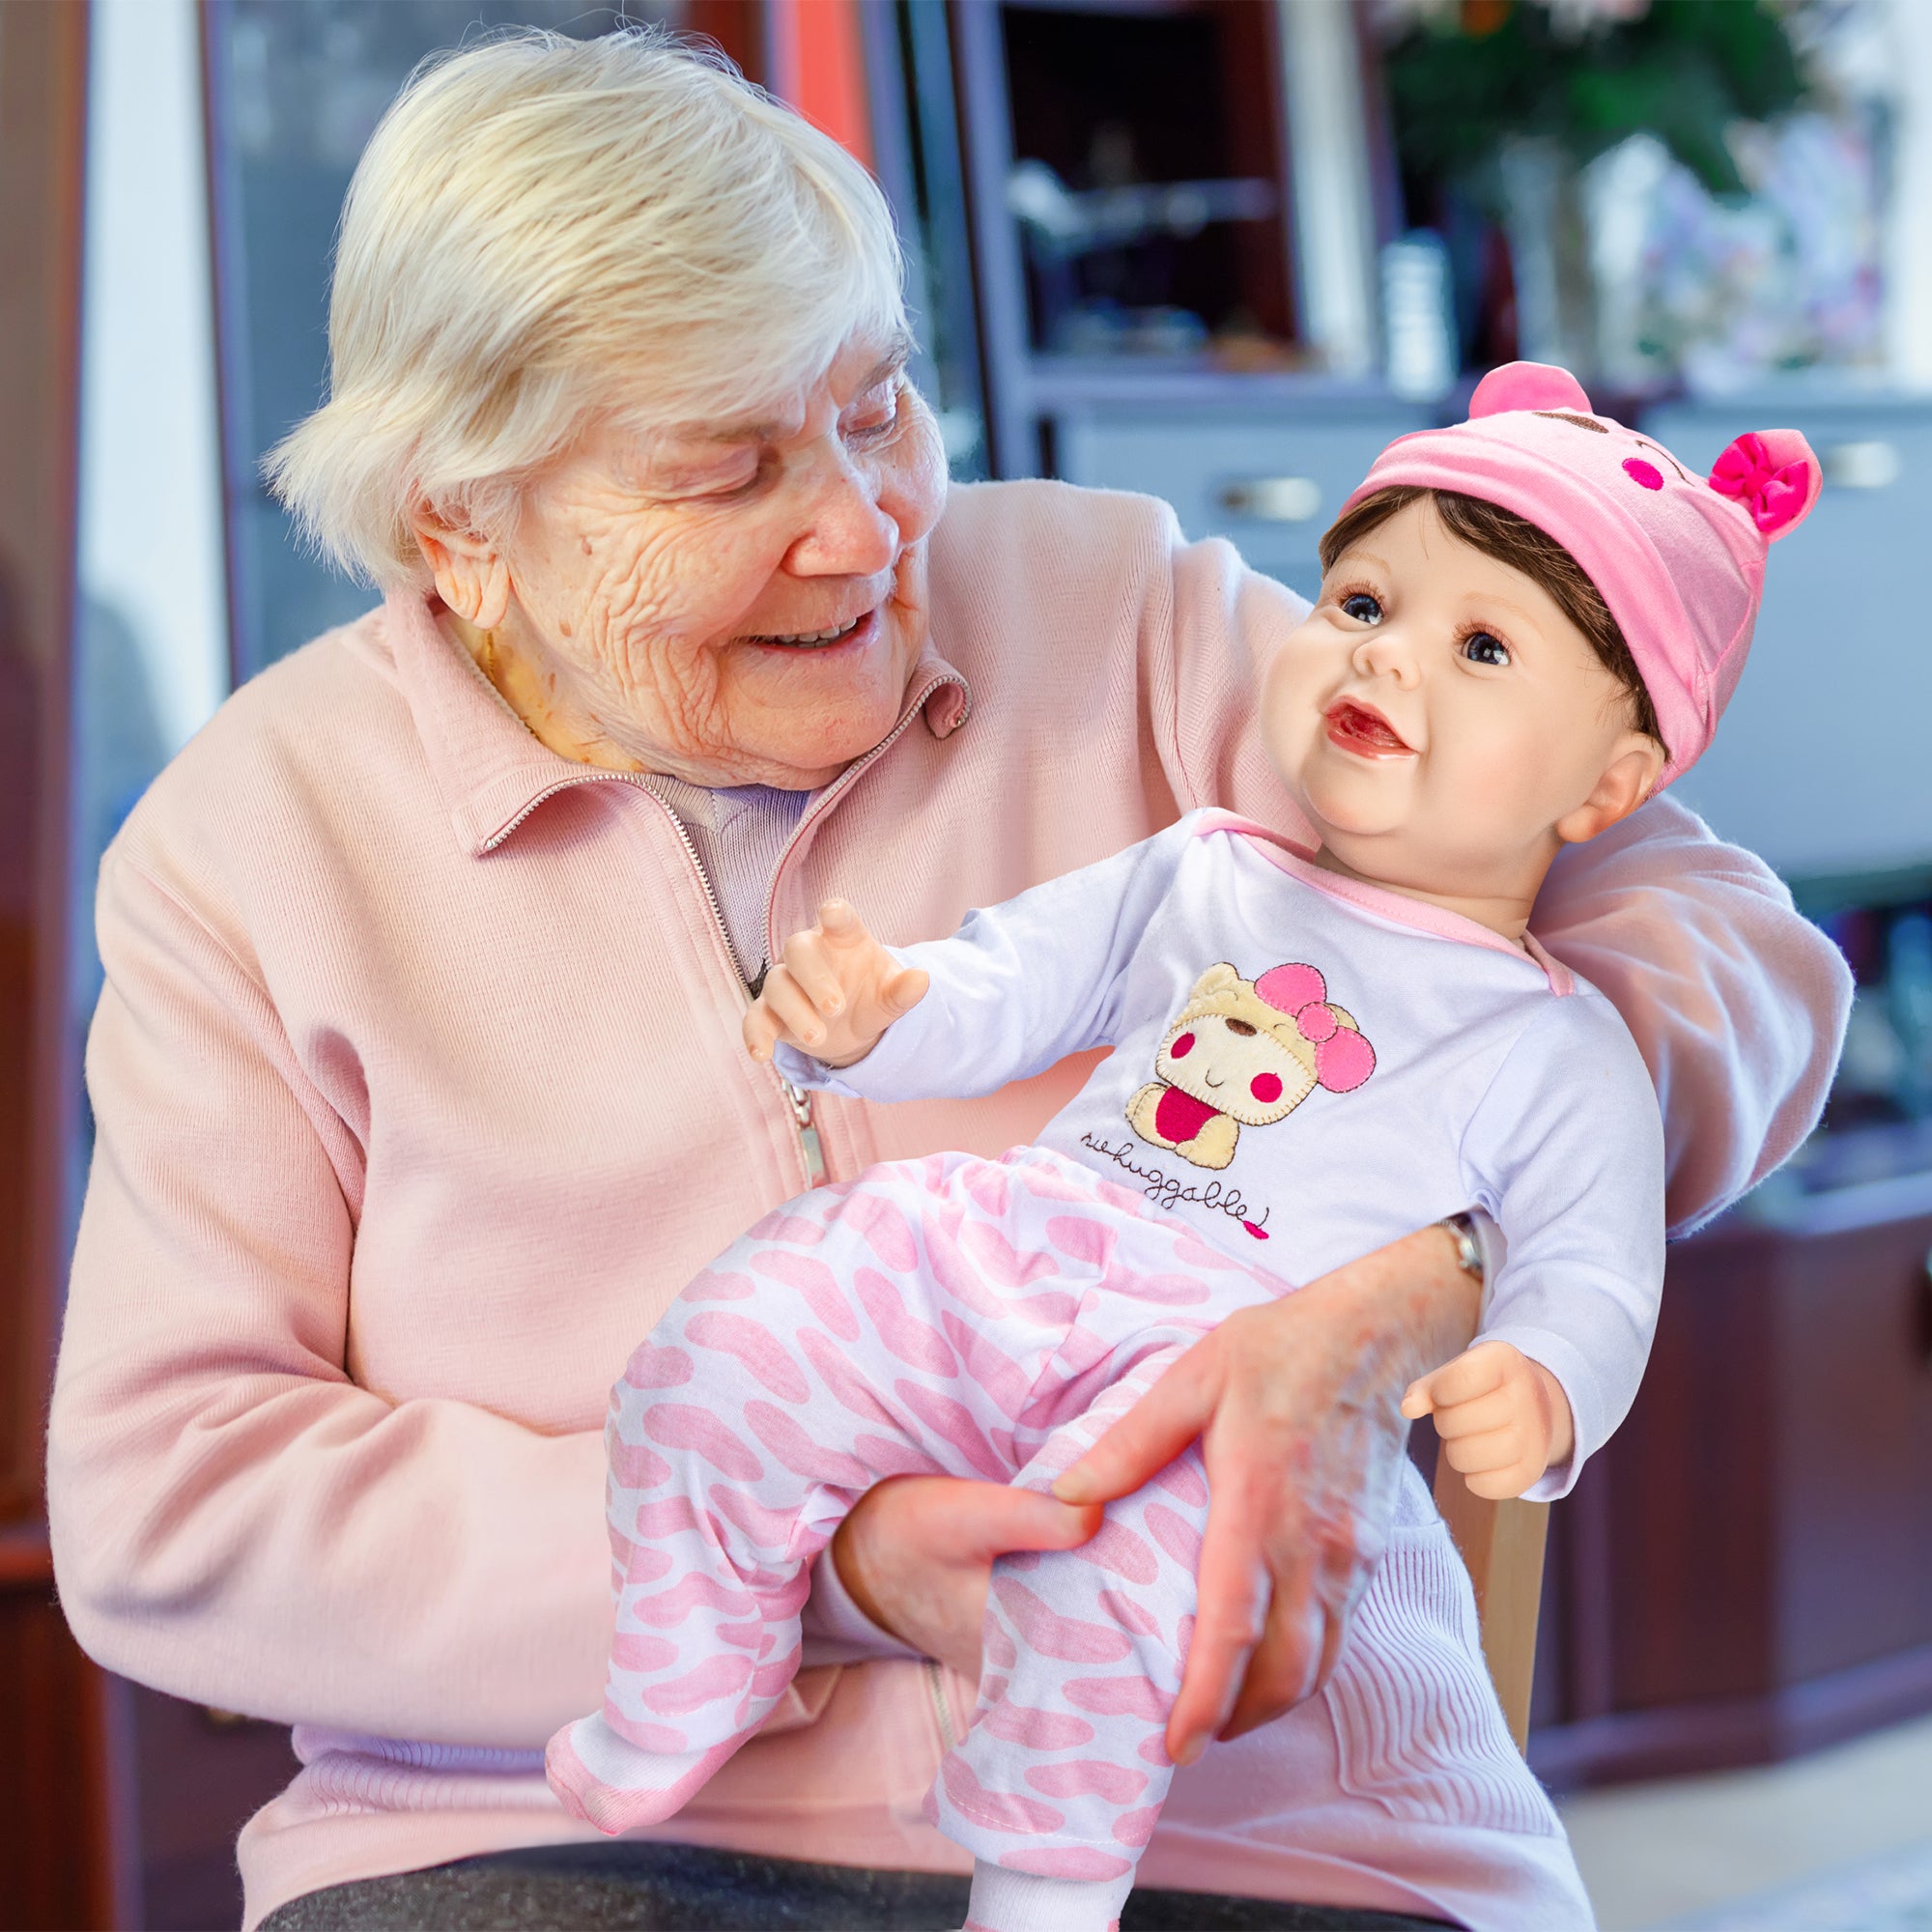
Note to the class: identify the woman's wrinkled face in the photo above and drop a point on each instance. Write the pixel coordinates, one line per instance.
(740, 600)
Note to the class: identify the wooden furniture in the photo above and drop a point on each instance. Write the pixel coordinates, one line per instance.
(57, 1867)
(1501, 1546)
(1744, 1573)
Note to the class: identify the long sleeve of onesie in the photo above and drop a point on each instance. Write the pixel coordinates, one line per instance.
(1566, 1152)
(1017, 987)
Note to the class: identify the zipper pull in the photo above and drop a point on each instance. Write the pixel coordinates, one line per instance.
(809, 1144)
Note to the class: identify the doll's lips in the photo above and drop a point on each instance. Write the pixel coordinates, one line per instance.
(1354, 726)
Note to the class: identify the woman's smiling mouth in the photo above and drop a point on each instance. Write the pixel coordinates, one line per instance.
(857, 630)
(1360, 729)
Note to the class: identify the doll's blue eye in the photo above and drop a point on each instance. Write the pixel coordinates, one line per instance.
(1364, 609)
(1479, 647)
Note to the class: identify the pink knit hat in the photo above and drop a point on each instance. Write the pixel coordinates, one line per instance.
(1679, 559)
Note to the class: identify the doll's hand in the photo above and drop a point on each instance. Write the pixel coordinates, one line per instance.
(1502, 1418)
(835, 992)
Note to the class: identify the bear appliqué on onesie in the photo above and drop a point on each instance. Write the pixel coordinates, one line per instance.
(1247, 1053)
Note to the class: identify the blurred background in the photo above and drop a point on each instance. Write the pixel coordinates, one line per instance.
(1221, 251)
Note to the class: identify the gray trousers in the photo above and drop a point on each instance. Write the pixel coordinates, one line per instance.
(642, 1887)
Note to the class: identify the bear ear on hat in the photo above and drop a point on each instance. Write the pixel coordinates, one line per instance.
(1776, 477)
(1527, 386)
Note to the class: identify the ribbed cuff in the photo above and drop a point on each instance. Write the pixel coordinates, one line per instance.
(1012, 1901)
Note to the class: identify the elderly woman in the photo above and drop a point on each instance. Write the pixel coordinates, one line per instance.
(419, 1088)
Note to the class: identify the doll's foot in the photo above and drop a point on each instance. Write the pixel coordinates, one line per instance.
(611, 1783)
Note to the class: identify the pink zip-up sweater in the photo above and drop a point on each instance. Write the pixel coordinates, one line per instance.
(419, 1094)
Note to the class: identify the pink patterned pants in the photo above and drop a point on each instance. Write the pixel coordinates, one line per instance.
(943, 1316)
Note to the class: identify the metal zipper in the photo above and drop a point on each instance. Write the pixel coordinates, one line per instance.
(811, 1148)
(842, 783)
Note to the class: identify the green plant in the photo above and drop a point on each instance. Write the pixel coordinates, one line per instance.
(1684, 71)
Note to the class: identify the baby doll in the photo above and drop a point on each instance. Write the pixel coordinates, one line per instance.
(1527, 623)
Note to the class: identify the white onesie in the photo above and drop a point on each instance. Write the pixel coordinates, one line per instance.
(1304, 1069)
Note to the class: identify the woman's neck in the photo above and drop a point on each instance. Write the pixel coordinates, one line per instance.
(535, 694)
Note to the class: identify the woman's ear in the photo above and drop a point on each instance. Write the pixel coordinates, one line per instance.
(1635, 765)
(471, 574)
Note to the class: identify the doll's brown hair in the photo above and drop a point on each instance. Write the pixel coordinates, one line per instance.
(1516, 542)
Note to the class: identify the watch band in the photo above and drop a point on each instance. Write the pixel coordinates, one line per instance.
(1468, 1249)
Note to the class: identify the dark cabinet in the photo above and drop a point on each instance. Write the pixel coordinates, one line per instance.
(1745, 1572)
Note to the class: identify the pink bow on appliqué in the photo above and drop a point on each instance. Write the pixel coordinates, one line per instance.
(1773, 474)
(1343, 1057)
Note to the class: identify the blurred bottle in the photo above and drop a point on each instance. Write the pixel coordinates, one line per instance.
(1909, 1006)
(1417, 316)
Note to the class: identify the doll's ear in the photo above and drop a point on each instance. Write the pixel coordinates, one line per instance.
(1527, 386)
(1774, 475)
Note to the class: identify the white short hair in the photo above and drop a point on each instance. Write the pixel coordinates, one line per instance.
(542, 228)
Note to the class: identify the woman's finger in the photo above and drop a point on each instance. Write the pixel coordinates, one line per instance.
(1232, 1600)
(1150, 1435)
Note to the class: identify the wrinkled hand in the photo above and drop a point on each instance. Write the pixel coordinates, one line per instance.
(916, 1555)
(1503, 1420)
(835, 992)
(1296, 1405)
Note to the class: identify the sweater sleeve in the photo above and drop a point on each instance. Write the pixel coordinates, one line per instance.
(1566, 1152)
(1737, 1003)
(234, 1518)
(1017, 988)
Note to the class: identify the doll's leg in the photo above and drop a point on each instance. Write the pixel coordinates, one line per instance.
(1057, 1786)
(802, 1367)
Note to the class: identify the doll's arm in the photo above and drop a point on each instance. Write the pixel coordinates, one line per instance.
(1018, 987)
(1566, 1153)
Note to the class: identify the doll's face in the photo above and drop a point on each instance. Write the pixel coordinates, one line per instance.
(1442, 722)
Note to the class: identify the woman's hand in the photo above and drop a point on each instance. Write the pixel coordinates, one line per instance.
(837, 990)
(916, 1555)
(1295, 1405)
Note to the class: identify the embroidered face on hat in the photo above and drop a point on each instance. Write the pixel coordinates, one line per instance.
(1679, 558)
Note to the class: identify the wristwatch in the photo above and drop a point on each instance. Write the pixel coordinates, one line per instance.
(1468, 1249)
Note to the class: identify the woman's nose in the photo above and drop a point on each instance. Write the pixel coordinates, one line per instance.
(851, 533)
(1384, 652)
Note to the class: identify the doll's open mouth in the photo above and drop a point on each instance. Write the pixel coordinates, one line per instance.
(1363, 729)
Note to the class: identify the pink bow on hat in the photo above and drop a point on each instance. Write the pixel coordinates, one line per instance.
(1343, 1057)
(1774, 474)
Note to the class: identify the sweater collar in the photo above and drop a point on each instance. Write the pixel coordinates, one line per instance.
(493, 773)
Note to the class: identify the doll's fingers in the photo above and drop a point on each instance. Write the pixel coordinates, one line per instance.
(796, 1015)
(1474, 1372)
(815, 972)
(1500, 1408)
(1501, 1486)
(1485, 1454)
(841, 925)
(761, 1030)
(905, 990)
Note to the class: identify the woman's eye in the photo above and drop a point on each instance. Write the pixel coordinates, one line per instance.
(1362, 607)
(875, 416)
(1479, 647)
